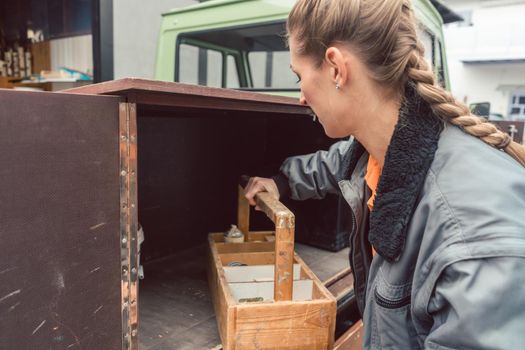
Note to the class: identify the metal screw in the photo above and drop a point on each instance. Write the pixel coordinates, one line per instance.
(123, 173)
(123, 137)
(134, 333)
(134, 270)
(124, 240)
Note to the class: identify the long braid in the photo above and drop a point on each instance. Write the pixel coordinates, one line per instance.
(447, 107)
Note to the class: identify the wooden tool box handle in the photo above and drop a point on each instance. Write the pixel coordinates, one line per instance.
(284, 221)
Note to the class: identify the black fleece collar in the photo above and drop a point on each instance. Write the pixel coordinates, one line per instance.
(408, 158)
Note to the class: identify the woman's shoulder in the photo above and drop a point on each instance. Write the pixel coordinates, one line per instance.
(480, 189)
(463, 161)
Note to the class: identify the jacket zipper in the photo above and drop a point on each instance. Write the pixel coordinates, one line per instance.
(391, 304)
(353, 224)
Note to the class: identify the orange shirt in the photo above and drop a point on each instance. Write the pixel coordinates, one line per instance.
(373, 172)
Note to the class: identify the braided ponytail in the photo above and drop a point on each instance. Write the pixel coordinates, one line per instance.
(447, 107)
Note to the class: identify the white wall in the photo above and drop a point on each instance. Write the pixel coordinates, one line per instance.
(74, 52)
(487, 83)
(496, 34)
(136, 25)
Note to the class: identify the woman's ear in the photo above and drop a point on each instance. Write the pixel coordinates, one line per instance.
(336, 61)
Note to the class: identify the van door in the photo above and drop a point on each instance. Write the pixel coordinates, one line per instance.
(60, 222)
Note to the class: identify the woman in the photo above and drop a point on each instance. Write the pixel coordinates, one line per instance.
(437, 194)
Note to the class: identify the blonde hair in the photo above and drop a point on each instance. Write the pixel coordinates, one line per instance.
(383, 33)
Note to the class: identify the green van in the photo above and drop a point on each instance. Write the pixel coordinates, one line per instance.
(239, 44)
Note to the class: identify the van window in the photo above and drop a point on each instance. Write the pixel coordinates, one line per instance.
(232, 75)
(204, 66)
(200, 66)
(271, 70)
(256, 55)
(189, 63)
(433, 53)
(213, 64)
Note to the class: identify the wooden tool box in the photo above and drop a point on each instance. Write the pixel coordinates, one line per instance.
(272, 300)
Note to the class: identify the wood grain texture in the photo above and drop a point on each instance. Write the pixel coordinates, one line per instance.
(321, 289)
(284, 221)
(285, 325)
(161, 93)
(245, 247)
(340, 284)
(255, 236)
(59, 222)
(351, 339)
(41, 57)
(243, 214)
(254, 258)
(223, 302)
(284, 258)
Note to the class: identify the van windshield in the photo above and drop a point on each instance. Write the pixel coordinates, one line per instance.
(247, 57)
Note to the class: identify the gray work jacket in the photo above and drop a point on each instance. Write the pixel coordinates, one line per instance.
(448, 225)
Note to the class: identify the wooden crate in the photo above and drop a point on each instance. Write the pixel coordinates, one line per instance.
(297, 312)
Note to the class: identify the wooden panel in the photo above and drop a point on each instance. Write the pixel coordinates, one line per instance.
(284, 257)
(221, 297)
(5, 83)
(351, 339)
(254, 258)
(341, 284)
(285, 325)
(255, 236)
(255, 273)
(243, 214)
(320, 291)
(302, 290)
(59, 218)
(151, 92)
(245, 247)
(284, 221)
(41, 57)
(128, 222)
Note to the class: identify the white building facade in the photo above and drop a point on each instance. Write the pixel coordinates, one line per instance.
(486, 54)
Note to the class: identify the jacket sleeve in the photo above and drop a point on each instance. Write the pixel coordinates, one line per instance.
(479, 304)
(313, 175)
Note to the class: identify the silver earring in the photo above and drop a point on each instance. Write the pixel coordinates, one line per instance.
(337, 87)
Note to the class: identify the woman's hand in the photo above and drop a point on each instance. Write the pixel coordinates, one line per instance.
(260, 184)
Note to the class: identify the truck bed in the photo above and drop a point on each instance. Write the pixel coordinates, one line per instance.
(175, 308)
